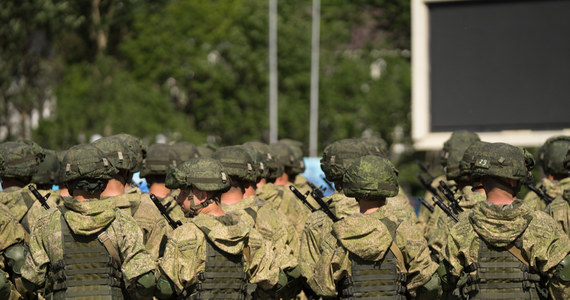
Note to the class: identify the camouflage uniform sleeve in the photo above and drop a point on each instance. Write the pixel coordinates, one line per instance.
(260, 264)
(153, 226)
(332, 265)
(317, 226)
(462, 246)
(558, 210)
(36, 211)
(136, 260)
(38, 258)
(184, 256)
(273, 227)
(419, 264)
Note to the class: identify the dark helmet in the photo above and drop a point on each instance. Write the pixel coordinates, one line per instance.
(339, 155)
(158, 159)
(85, 162)
(468, 159)
(297, 148)
(505, 161)
(551, 155)
(453, 150)
(237, 162)
(371, 177)
(204, 173)
(48, 170)
(21, 158)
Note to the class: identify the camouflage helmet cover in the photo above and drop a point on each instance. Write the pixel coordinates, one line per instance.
(375, 146)
(203, 173)
(339, 155)
(468, 159)
(21, 158)
(297, 148)
(158, 159)
(453, 150)
(258, 159)
(552, 154)
(85, 162)
(48, 169)
(125, 152)
(567, 160)
(274, 168)
(503, 160)
(237, 162)
(185, 151)
(371, 177)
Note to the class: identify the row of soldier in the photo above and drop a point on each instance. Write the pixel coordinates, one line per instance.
(234, 229)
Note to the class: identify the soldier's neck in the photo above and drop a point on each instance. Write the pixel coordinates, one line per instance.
(499, 196)
(114, 188)
(214, 209)
(369, 206)
(250, 190)
(261, 183)
(282, 180)
(159, 189)
(14, 182)
(81, 195)
(232, 196)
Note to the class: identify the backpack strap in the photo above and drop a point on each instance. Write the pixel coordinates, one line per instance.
(104, 239)
(517, 253)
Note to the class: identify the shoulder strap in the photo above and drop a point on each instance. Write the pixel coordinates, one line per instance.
(517, 253)
(399, 256)
(392, 227)
(103, 238)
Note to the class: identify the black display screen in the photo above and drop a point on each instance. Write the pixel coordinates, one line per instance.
(499, 65)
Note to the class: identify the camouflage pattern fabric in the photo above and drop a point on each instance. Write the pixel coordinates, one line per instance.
(152, 224)
(302, 184)
(18, 200)
(11, 232)
(172, 206)
(86, 218)
(367, 237)
(424, 214)
(537, 237)
(185, 253)
(35, 212)
(559, 210)
(283, 200)
(552, 188)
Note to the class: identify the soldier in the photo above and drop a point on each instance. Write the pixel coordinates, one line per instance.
(125, 152)
(551, 156)
(504, 249)
(154, 170)
(185, 151)
(210, 255)
(374, 254)
(12, 250)
(298, 180)
(87, 247)
(559, 209)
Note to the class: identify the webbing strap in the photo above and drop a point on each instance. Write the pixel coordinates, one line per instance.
(103, 237)
(399, 256)
(518, 254)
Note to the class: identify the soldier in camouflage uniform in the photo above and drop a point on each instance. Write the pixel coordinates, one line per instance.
(559, 209)
(12, 250)
(298, 180)
(154, 170)
(454, 151)
(87, 247)
(374, 254)
(22, 159)
(337, 157)
(461, 137)
(212, 255)
(551, 156)
(502, 248)
(125, 152)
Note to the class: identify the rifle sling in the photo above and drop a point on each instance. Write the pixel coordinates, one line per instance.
(103, 237)
(517, 253)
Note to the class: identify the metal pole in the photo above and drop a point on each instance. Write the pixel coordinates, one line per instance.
(273, 71)
(314, 118)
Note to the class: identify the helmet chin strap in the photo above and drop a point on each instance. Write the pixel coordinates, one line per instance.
(195, 208)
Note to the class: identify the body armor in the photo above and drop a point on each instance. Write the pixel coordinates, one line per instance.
(223, 278)
(374, 280)
(86, 270)
(498, 274)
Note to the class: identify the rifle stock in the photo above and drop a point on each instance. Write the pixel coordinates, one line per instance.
(164, 213)
(42, 199)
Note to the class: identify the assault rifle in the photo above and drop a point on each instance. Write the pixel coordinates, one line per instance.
(425, 170)
(164, 213)
(425, 203)
(445, 208)
(539, 193)
(446, 191)
(427, 184)
(316, 188)
(42, 199)
(302, 197)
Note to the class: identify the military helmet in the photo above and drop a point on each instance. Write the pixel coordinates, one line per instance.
(204, 173)
(206, 150)
(185, 151)
(284, 155)
(85, 162)
(375, 146)
(503, 160)
(339, 155)
(567, 160)
(125, 152)
(297, 148)
(2, 165)
(258, 160)
(453, 150)
(468, 159)
(551, 155)
(370, 177)
(237, 162)
(48, 169)
(158, 158)
(21, 158)
(274, 168)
